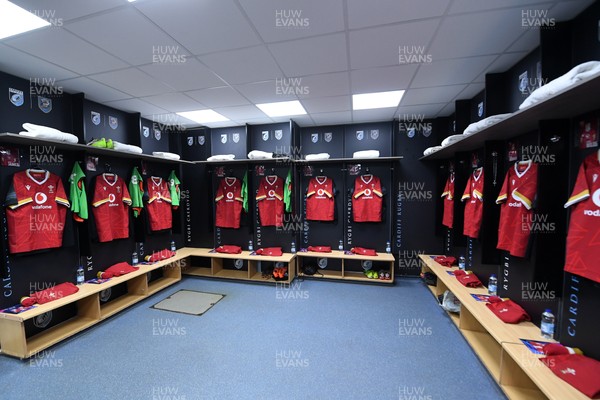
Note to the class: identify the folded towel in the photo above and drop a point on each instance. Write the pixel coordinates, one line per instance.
(317, 156)
(167, 155)
(451, 139)
(484, 123)
(257, 155)
(45, 132)
(129, 148)
(221, 157)
(431, 150)
(366, 154)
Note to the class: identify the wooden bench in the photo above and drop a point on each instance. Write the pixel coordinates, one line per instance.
(512, 365)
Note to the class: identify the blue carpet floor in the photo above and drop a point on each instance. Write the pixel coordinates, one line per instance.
(313, 340)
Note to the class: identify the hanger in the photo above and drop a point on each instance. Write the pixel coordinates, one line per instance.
(107, 168)
(367, 170)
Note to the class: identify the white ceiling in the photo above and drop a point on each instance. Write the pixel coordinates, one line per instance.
(229, 55)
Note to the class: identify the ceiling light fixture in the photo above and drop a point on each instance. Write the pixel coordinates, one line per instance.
(203, 116)
(282, 108)
(367, 101)
(15, 20)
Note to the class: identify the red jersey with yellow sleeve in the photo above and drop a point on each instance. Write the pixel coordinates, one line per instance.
(269, 198)
(367, 200)
(516, 198)
(36, 211)
(229, 203)
(319, 199)
(474, 207)
(110, 206)
(583, 237)
(448, 195)
(158, 204)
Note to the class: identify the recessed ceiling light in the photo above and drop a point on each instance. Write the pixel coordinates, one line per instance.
(282, 108)
(367, 101)
(15, 20)
(203, 116)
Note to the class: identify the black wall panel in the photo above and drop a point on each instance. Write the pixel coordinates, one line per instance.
(371, 136)
(231, 140)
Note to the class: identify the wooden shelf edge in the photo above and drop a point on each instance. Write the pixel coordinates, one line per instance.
(119, 304)
(57, 333)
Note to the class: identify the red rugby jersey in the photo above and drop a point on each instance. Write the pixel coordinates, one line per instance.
(474, 207)
(111, 207)
(448, 195)
(159, 204)
(319, 199)
(270, 201)
(229, 203)
(367, 199)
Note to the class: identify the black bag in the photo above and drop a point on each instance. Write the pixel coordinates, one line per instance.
(309, 269)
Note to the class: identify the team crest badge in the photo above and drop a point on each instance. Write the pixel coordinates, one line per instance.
(360, 135)
(327, 136)
(45, 104)
(201, 140)
(265, 135)
(427, 131)
(223, 138)
(190, 140)
(595, 177)
(43, 320)
(146, 131)
(235, 137)
(105, 295)
(113, 122)
(278, 134)
(480, 109)
(157, 134)
(314, 137)
(95, 118)
(411, 133)
(16, 97)
(374, 134)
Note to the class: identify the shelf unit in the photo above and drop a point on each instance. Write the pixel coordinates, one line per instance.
(12, 138)
(497, 344)
(576, 100)
(299, 161)
(344, 274)
(90, 310)
(251, 270)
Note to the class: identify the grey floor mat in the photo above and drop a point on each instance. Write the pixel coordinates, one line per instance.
(189, 302)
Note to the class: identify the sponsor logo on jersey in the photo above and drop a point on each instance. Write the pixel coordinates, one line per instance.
(146, 132)
(271, 193)
(327, 136)
(44, 104)
(368, 192)
(16, 97)
(229, 195)
(113, 122)
(590, 213)
(95, 116)
(40, 198)
(515, 204)
(111, 198)
(27, 187)
(320, 192)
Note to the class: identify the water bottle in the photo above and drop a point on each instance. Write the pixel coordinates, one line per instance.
(80, 275)
(250, 246)
(134, 258)
(493, 285)
(461, 262)
(293, 247)
(388, 247)
(173, 247)
(547, 327)
(341, 246)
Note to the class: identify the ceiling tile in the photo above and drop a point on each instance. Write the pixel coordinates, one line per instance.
(174, 102)
(132, 81)
(62, 10)
(451, 72)
(334, 84)
(470, 6)
(311, 56)
(303, 120)
(396, 44)
(378, 114)
(136, 105)
(93, 90)
(202, 26)
(26, 66)
(334, 118)
(241, 112)
(327, 104)
(127, 34)
(243, 66)
(447, 111)
(65, 49)
(382, 79)
(218, 97)
(189, 74)
(277, 20)
(505, 62)
(529, 40)
(431, 95)
(264, 92)
(471, 91)
(377, 12)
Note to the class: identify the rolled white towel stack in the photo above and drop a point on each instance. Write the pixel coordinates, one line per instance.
(431, 150)
(366, 154)
(451, 139)
(45, 132)
(317, 156)
(221, 157)
(167, 155)
(259, 155)
(128, 148)
(484, 123)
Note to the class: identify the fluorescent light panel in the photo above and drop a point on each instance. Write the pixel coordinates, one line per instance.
(203, 116)
(367, 101)
(282, 108)
(15, 20)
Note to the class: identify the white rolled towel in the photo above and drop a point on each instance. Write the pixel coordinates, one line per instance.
(167, 155)
(45, 132)
(258, 154)
(317, 156)
(366, 154)
(451, 139)
(221, 157)
(431, 150)
(128, 148)
(484, 123)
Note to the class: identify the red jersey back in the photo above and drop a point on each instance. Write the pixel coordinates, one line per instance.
(229, 203)
(516, 196)
(159, 204)
(36, 211)
(319, 199)
(448, 195)
(110, 207)
(583, 238)
(367, 199)
(270, 201)
(474, 207)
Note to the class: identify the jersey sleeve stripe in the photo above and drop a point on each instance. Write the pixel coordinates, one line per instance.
(219, 198)
(327, 193)
(62, 201)
(465, 197)
(584, 194)
(526, 202)
(378, 193)
(357, 195)
(100, 202)
(278, 197)
(127, 201)
(501, 198)
(261, 197)
(239, 199)
(20, 203)
(478, 194)
(310, 193)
